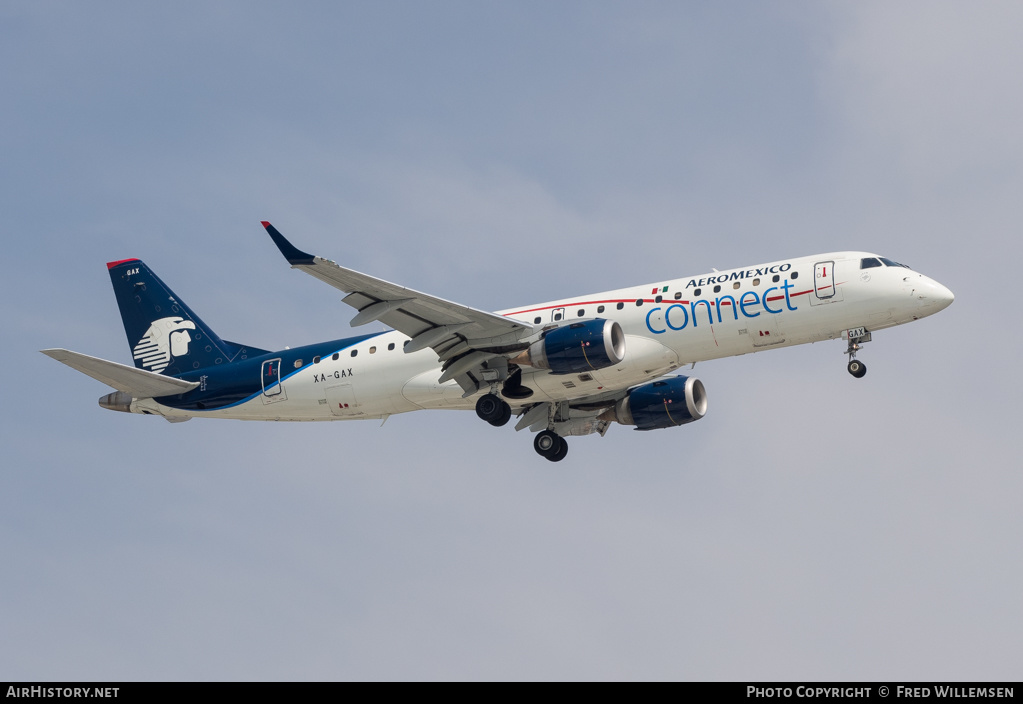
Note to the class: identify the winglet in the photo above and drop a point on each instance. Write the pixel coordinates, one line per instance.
(294, 255)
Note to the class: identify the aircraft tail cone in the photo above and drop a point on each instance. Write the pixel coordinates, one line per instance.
(117, 401)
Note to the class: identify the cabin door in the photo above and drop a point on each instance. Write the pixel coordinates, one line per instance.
(824, 279)
(272, 377)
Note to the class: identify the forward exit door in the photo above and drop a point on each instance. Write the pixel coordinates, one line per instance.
(824, 279)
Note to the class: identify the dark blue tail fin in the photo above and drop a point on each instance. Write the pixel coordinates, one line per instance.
(164, 334)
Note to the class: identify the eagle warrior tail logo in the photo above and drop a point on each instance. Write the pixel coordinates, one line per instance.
(166, 338)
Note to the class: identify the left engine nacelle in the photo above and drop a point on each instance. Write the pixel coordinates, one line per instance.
(665, 403)
(579, 347)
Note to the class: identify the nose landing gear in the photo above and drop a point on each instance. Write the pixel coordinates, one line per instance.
(856, 337)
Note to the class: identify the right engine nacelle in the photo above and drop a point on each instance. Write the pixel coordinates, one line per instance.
(665, 403)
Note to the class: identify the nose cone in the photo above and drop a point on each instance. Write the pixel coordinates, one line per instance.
(933, 296)
(945, 296)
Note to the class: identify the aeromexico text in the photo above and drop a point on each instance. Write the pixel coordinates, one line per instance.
(751, 304)
(735, 275)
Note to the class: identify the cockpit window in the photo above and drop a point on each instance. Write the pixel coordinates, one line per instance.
(889, 262)
(869, 263)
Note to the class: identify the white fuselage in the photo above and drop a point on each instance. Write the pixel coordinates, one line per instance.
(667, 324)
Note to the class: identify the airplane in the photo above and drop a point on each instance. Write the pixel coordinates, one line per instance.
(564, 368)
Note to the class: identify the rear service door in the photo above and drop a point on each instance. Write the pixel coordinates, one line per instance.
(272, 377)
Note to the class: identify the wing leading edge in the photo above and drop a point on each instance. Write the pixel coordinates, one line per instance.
(454, 331)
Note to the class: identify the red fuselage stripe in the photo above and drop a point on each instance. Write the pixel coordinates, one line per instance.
(582, 304)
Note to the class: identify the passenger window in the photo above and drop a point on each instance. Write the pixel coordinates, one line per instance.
(756, 282)
(335, 356)
(717, 289)
(536, 320)
(659, 299)
(581, 312)
(620, 306)
(600, 309)
(298, 363)
(775, 278)
(316, 360)
(355, 352)
(639, 301)
(678, 295)
(557, 316)
(736, 285)
(696, 292)
(372, 350)
(795, 274)
(390, 347)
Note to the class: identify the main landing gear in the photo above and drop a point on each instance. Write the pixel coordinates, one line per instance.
(493, 409)
(496, 411)
(549, 444)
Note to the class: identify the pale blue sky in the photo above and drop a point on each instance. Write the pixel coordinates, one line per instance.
(812, 526)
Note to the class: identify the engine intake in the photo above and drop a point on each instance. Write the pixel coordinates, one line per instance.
(665, 403)
(579, 347)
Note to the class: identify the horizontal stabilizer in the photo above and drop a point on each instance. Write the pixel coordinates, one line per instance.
(137, 382)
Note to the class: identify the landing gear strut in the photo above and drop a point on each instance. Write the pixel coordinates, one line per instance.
(493, 409)
(856, 367)
(549, 444)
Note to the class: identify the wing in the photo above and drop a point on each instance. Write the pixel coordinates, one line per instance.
(463, 337)
(137, 382)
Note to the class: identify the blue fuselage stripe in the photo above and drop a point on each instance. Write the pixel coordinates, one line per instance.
(233, 384)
